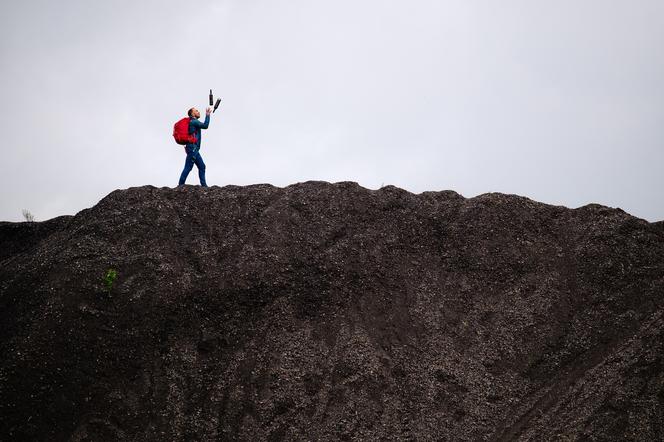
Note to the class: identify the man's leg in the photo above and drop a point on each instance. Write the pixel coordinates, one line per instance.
(188, 165)
(201, 168)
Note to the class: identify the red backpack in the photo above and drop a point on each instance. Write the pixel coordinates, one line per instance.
(181, 132)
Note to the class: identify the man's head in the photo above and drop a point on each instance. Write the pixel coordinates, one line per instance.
(193, 113)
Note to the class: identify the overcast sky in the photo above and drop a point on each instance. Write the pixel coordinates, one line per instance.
(562, 102)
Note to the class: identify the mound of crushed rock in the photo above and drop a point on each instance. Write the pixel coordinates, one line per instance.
(331, 312)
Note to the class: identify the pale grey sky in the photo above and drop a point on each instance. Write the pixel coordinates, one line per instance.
(562, 102)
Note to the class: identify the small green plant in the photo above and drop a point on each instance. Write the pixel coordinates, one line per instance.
(109, 279)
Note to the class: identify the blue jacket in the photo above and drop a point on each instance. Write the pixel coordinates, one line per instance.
(195, 127)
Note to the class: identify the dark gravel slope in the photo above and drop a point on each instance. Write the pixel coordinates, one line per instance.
(331, 312)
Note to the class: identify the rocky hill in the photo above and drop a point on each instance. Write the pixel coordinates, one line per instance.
(331, 312)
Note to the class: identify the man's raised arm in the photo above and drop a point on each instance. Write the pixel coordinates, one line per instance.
(206, 123)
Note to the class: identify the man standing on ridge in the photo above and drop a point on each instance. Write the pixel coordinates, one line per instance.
(193, 154)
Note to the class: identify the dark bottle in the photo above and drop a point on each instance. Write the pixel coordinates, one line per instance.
(216, 105)
(211, 98)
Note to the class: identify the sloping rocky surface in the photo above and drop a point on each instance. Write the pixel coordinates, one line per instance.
(331, 312)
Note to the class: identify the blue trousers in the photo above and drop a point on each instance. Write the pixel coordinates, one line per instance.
(193, 157)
